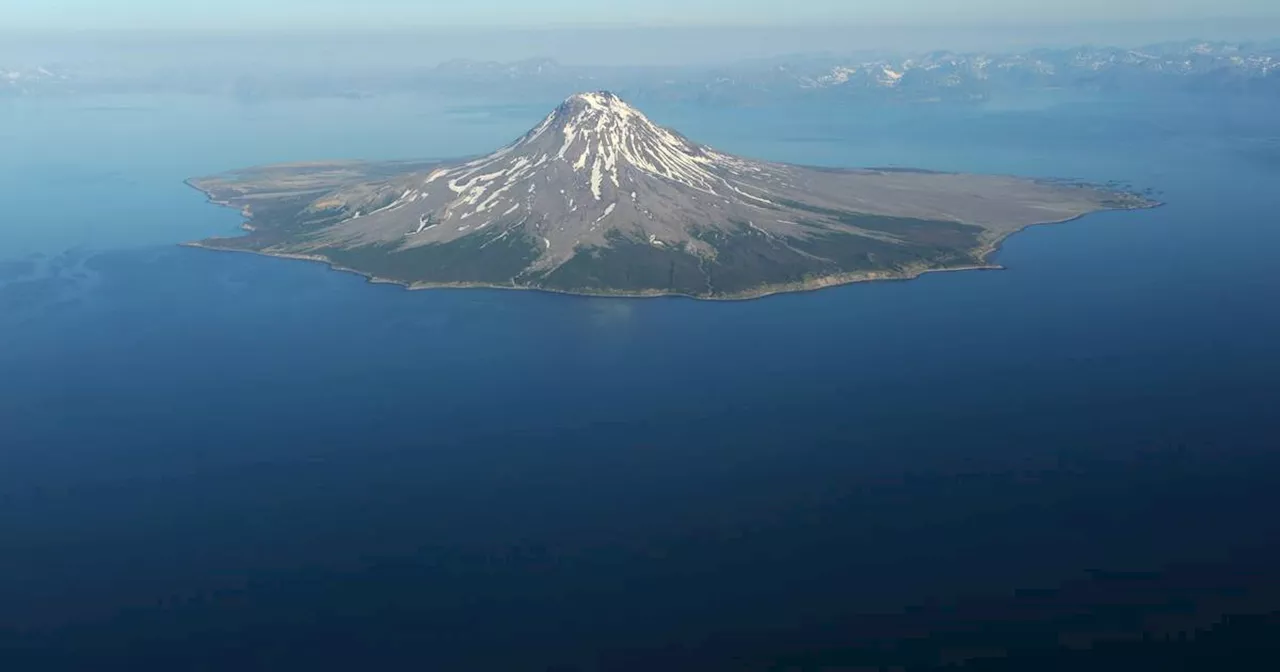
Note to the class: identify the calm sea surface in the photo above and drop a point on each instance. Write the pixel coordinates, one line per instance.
(217, 461)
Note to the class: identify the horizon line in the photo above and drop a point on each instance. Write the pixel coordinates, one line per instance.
(847, 24)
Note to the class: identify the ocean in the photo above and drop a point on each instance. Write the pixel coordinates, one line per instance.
(221, 461)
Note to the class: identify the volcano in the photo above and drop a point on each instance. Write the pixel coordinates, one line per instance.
(598, 199)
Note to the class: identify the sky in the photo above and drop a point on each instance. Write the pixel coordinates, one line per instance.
(364, 14)
(357, 35)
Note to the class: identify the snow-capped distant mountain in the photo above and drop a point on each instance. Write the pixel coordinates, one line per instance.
(30, 80)
(1198, 65)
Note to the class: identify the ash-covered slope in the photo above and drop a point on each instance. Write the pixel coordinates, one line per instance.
(597, 198)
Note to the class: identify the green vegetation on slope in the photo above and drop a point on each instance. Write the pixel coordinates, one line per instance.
(629, 266)
(489, 259)
(747, 260)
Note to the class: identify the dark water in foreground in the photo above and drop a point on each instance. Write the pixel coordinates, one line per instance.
(214, 461)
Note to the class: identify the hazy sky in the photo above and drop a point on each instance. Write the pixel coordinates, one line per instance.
(338, 34)
(333, 14)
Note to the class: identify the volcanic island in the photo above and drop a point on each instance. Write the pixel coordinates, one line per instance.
(599, 200)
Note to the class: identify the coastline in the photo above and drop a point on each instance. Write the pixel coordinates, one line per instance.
(983, 254)
(816, 284)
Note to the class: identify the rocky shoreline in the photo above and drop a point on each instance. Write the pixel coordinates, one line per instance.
(983, 253)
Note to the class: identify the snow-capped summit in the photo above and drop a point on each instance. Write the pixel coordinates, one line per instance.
(600, 134)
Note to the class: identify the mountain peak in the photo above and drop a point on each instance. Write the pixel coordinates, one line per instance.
(600, 140)
(600, 101)
(601, 98)
(596, 103)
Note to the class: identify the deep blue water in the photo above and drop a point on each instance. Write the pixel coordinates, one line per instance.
(210, 460)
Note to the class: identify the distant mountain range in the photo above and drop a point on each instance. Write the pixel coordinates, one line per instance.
(935, 75)
(940, 75)
(1184, 65)
(31, 80)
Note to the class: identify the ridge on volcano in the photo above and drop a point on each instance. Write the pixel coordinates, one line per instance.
(598, 199)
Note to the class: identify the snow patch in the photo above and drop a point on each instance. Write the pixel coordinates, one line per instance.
(607, 211)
